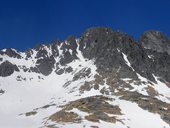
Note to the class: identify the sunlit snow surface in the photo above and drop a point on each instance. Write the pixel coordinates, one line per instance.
(32, 94)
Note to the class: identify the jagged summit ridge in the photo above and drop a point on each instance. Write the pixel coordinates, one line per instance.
(106, 46)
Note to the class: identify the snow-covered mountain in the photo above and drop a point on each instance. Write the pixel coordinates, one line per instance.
(104, 79)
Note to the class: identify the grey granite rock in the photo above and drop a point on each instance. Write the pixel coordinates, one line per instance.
(11, 53)
(156, 41)
(107, 48)
(7, 68)
(45, 65)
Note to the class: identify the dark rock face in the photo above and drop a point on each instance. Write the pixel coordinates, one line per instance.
(34, 69)
(45, 61)
(160, 64)
(157, 46)
(54, 48)
(69, 50)
(2, 91)
(66, 58)
(71, 40)
(85, 72)
(107, 46)
(59, 71)
(28, 53)
(69, 69)
(91, 41)
(11, 53)
(156, 41)
(6, 69)
(41, 51)
(45, 65)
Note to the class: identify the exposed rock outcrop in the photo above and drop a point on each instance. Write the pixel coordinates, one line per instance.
(7, 68)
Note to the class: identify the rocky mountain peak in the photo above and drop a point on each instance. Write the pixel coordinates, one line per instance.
(98, 80)
(108, 47)
(156, 41)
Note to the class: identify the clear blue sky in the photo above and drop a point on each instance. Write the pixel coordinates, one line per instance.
(25, 23)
